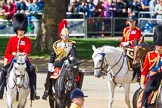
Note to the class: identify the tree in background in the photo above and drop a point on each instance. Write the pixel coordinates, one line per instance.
(54, 11)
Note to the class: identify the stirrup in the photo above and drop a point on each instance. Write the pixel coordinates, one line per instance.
(45, 95)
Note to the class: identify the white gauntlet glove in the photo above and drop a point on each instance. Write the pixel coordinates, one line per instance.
(142, 86)
(50, 67)
(125, 44)
(66, 62)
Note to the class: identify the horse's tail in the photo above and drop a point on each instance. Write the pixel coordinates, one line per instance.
(152, 85)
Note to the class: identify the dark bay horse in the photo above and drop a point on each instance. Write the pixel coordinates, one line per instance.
(61, 87)
(152, 86)
(140, 51)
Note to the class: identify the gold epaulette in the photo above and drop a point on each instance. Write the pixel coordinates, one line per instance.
(152, 60)
(73, 42)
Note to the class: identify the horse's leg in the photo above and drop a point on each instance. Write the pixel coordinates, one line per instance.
(111, 88)
(51, 102)
(22, 103)
(9, 100)
(127, 90)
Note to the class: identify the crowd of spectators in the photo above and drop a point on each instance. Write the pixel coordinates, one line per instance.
(104, 9)
(114, 8)
(32, 8)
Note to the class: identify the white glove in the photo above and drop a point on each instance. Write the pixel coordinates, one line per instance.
(142, 86)
(71, 58)
(125, 44)
(66, 62)
(50, 67)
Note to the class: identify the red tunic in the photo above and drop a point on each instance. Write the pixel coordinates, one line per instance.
(150, 61)
(131, 34)
(13, 46)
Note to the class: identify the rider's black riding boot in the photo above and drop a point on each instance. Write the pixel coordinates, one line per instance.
(145, 97)
(47, 86)
(2, 82)
(4, 71)
(32, 79)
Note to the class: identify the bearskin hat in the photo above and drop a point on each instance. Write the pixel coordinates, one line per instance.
(157, 39)
(20, 22)
(62, 28)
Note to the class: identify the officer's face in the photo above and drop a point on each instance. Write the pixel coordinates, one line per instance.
(20, 32)
(158, 48)
(132, 23)
(65, 38)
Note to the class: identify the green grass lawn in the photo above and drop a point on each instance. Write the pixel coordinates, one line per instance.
(83, 46)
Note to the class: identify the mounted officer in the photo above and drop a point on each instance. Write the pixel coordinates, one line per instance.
(61, 50)
(18, 43)
(130, 38)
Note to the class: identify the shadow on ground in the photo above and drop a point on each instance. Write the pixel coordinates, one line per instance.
(41, 63)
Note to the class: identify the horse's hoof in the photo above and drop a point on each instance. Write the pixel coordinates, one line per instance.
(36, 97)
(45, 95)
(98, 76)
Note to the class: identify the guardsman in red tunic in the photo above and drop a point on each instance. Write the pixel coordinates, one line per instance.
(61, 49)
(131, 34)
(130, 38)
(18, 43)
(153, 62)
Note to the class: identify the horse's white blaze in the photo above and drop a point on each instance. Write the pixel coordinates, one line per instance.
(116, 60)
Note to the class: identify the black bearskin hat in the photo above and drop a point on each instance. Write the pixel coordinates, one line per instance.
(20, 22)
(157, 39)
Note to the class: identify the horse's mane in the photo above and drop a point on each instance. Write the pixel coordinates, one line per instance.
(111, 49)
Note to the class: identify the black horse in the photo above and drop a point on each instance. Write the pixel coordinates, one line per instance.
(152, 85)
(59, 96)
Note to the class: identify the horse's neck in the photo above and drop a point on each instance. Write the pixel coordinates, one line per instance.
(118, 63)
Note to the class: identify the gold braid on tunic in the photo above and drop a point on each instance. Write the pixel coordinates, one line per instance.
(60, 52)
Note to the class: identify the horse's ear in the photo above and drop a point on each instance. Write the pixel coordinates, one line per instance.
(93, 47)
(143, 37)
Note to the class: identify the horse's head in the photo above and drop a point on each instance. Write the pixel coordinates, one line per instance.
(98, 59)
(19, 67)
(140, 51)
(69, 71)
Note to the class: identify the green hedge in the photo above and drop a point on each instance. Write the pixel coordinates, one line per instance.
(83, 46)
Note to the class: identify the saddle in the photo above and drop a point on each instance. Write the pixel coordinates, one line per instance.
(130, 54)
(151, 98)
(57, 68)
(56, 73)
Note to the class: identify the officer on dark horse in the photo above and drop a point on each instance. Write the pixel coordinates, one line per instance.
(61, 50)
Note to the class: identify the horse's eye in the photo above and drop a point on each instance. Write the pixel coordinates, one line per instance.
(100, 60)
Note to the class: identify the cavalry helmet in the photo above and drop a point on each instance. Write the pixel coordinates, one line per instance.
(64, 32)
(157, 39)
(20, 22)
(62, 28)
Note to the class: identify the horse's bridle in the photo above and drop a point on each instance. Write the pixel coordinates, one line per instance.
(102, 67)
(103, 64)
(21, 76)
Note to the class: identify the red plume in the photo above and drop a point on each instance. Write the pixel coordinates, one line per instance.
(61, 25)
